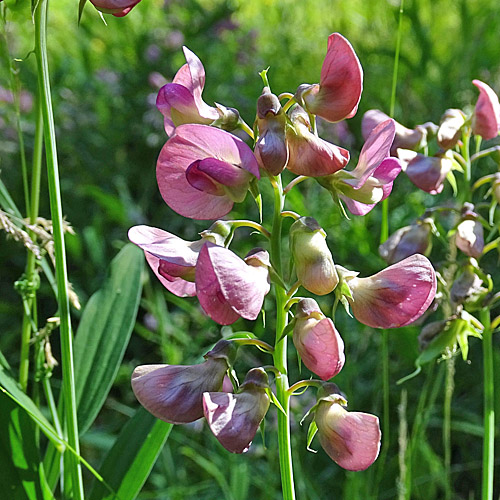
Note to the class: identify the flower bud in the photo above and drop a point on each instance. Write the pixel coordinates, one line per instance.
(313, 260)
(486, 118)
(173, 393)
(431, 331)
(235, 418)
(118, 8)
(450, 128)
(407, 241)
(469, 237)
(317, 341)
(351, 439)
(467, 289)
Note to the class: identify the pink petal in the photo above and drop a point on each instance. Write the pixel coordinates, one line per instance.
(118, 8)
(486, 119)
(351, 439)
(194, 142)
(356, 207)
(177, 286)
(396, 296)
(428, 172)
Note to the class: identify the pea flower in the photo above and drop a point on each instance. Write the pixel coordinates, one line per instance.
(309, 155)
(395, 296)
(180, 101)
(118, 8)
(174, 393)
(235, 418)
(316, 339)
(202, 171)
(228, 287)
(486, 117)
(469, 237)
(450, 128)
(337, 95)
(313, 260)
(351, 439)
(371, 181)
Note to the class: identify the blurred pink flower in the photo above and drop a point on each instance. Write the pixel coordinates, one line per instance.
(395, 296)
(317, 341)
(202, 171)
(180, 101)
(235, 418)
(118, 8)
(228, 287)
(486, 118)
(351, 439)
(341, 83)
(174, 393)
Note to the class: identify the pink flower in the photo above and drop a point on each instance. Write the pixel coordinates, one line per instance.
(351, 439)
(317, 341)
(235, 418)
(118, 8)
(486, 118)
(371, 181)
(174, 393)
(180, 101)
(202, 171)
(309, 155)
(341, 83)
(394, 297)
(229, 287)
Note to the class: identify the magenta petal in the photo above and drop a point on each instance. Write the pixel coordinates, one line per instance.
(356, 207)
(486, 119)
(191, 143)
(351, 439)
(387, 171)
(177, 286)
(396, 296)
(217, 171)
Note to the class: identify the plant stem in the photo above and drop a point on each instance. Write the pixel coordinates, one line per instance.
(489, 408)
(68, 388)
(280, 352)
(448, 394)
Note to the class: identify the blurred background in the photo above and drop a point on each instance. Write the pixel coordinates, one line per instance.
(104, 83)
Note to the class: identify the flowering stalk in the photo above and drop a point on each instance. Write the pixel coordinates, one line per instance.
(59, 248)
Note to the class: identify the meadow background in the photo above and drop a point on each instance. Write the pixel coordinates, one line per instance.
(104, 84)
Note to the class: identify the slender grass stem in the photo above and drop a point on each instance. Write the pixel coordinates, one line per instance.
(59, 248)
(280, 352)
(448, 395)
(489, 408)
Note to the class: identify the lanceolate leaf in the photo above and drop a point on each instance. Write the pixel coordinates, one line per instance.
(104, 332)
(129, 462)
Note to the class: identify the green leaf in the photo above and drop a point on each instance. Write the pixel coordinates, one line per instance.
(129, 462)
(311, 432)
(81, 5)
(104, 332)
(453, 182)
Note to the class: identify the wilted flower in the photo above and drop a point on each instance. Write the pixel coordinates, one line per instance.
(486, 118)
(174, 393)
(470, 237)
(180, 101)
(310, 155)
(395, 296)
(229, 287)
(317, 341)
(271, 149)
(450, 128)
(407, 241)
(118, 8)
(235, 418)
(202, 171)
(371, 181)
(341, 83)
(351, 439)
(312, 257)
(427, 172)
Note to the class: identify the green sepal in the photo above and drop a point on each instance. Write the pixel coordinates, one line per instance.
(275, 401)
(311, 432)
(288, 329)
(450, 177)
(255, 192)
(81, 5)
(262, 431)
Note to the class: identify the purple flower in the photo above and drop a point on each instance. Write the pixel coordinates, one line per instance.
(235, 418)
(351, 439)
(202, 171)
(174, 393)
(180, 101)
(313, 260)
(486, 118)
(317, 341)
(229, 287)
(371, 181)
(394, 297)
(341, 83)
(118, 8)
(310, 155)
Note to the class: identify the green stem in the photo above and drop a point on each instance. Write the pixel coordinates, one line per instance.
(448, 395)
(489, 408)
(280, 351)
(68, 388)
(465, 149)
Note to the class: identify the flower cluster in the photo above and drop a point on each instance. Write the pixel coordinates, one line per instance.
(202, 171)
